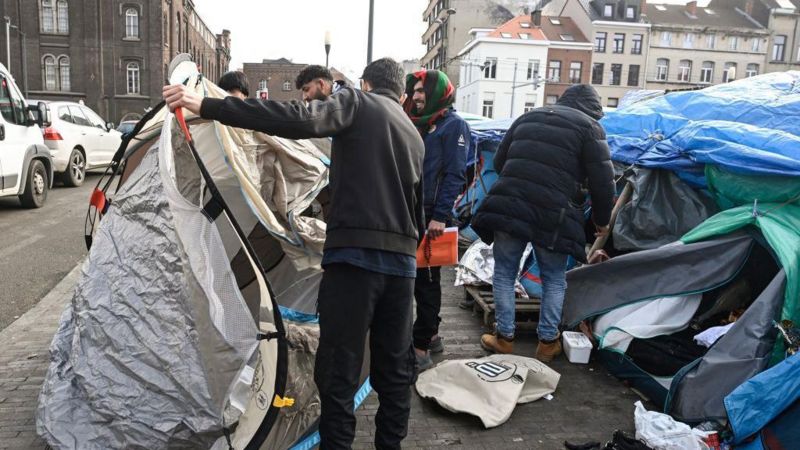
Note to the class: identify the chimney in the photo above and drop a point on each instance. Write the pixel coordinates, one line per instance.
(536, 18)
(748, 7)
(691, 8)
(643, 7)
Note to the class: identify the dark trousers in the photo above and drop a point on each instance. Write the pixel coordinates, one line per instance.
(428, 296)
(353, 302)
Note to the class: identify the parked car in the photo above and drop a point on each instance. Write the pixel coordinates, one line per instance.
(79, 140)
(127, 126)
(26, 168)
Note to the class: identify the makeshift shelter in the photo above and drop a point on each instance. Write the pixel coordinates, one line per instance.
(193, 322)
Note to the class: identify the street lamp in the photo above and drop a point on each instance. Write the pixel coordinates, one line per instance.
(327, 47)
(369, 38)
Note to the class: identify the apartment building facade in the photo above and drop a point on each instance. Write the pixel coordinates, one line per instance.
(695, 46)
(111, 54)
(569, 56)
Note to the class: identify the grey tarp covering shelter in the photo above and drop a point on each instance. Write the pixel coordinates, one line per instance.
(662, 209)
(696, 392)
(189, 326)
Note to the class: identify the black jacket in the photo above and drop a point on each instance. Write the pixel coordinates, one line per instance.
(376, 161)
(543, 160)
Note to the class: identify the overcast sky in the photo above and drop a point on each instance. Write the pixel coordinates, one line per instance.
(295, 29)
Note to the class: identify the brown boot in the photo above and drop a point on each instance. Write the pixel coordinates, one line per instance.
(547, 350)
(497, 343)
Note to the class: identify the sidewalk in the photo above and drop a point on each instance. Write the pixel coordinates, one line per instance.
(588, 405)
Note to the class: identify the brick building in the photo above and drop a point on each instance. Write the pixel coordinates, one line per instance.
(569, 57)
(111, 54)
(277, 76)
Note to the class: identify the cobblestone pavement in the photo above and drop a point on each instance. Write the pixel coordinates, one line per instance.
(588, 405)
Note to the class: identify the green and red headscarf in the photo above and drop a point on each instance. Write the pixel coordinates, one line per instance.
(439, 97)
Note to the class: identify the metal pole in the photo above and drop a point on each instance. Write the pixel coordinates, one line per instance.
(513, 89)
(24, 63)
(369, 39)
(8, 42)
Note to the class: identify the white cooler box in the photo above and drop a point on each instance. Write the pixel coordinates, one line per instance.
(577, 347)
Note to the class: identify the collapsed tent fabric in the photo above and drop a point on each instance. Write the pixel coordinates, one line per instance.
(489, 387)
(748, 127)
(191, 325)
(677, 272)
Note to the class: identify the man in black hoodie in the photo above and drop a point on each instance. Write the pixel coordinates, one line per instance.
(373, 230)
(543, 161)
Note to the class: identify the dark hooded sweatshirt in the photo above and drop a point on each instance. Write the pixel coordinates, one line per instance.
(543, 160)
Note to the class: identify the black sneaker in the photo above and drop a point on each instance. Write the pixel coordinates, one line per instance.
(466, 304)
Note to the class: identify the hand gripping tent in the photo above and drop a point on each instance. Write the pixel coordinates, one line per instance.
(193, 324)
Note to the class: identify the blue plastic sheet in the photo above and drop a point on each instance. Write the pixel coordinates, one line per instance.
(747, 127)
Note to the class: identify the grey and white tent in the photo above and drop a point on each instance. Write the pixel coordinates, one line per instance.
(645, 308)
(193, 322)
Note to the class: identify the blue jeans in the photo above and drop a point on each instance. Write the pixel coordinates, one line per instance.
(508, 252)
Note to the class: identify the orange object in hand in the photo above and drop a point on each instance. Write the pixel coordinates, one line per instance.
(442, 251)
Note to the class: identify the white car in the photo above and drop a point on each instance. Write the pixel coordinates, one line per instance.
(26, 169)
(79, 140)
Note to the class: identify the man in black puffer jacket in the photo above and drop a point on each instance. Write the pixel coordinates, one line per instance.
(543, 160)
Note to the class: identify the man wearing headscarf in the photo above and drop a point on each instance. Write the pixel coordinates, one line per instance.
(429, 100)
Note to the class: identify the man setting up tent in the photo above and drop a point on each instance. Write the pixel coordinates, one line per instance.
(373, 230)
(429, 100)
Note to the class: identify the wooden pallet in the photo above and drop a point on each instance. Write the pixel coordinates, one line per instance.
(484, 303)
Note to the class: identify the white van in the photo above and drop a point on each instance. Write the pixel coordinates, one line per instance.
(26, 167)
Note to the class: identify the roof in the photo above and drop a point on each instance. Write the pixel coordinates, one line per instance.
(516, 28)
(782, 4)
(562, 29)
(716, 14)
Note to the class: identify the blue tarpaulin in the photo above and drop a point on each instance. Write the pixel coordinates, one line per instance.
(747, 127)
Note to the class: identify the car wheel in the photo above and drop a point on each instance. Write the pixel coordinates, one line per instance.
(76, 169)
(36, 188)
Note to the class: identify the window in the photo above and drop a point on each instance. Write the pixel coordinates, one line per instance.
(597, 73)
(132, 23)
(64, 115)
(533, 69)
(630, 12)
(730, 72)
(752, 70)
(756, 45)
(575, 68)
(551, 100)
(616, 74)
(11, 106)
(554, 72)
(530, 103)
(78, 118)
(488, 109)
(525, 24)
(619, 42)
(711, 41)
(63, 68)
(633, 75)
(666, 38)
(707, 72)
(636, 48)
(555, 21)
(63, 17)
(525, 36)
(287, 85)
(490, 68)
(733, 42)
(779, 48)
(608, 11)
(662, 69)
(600, 42)
(48, 21)
(685, 70)
(661, 7)
(688, 40)
(262, 85)
(613, 102)
(566, 37)
(506, 35)
(133, 78)
(50, 81)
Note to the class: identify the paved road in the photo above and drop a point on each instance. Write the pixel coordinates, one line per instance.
(38, 247)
